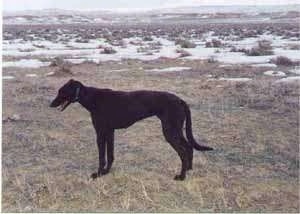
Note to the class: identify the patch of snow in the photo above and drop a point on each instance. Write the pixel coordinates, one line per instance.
(291, 54)
(79, 52)
(296, 70)
(271, 65)
(235, 79)
(7, 77)
(16, 45)
(92, 44)
(118, 70)
(275, 73)
(25, 63)
(204, 17)
(31, 75)
(50, 73)
(49, 45)
(225, 66)
(76, 61)
(170, 69)
(237, 57)
(288, 79)
(99, 20)
(200, 52)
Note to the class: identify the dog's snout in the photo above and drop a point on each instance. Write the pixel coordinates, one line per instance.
(54, 103)
(51, 104)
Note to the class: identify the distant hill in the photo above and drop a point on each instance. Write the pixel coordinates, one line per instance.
(250, 9)
(231, 9)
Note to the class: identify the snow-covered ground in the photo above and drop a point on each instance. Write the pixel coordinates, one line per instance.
(170, 69)
(25, 63)
(77, 52)
(7, 77)
(275, 73)
(289, 79)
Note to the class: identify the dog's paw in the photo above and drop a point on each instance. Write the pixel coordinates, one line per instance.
(104, 171)
(95, 175)
(179, 177)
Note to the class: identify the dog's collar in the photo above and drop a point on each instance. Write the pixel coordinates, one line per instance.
(77, 95)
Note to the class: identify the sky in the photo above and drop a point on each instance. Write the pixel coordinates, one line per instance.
(16, 5)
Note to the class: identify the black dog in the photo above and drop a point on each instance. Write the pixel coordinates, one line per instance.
(112, 110)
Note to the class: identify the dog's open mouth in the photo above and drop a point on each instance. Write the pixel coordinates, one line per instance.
(64, 105)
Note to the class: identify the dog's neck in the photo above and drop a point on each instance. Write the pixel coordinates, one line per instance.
(85, 98)
(76, 99)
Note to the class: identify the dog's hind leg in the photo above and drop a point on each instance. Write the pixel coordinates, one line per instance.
(190, 152)
(187, 145)
(173, 137)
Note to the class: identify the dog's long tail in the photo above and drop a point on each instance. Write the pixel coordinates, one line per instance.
(189, 133)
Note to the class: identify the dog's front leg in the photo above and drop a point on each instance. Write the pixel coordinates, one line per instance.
(101, 143)
(110, 150)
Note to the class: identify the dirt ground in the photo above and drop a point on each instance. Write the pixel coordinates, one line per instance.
(48, 156)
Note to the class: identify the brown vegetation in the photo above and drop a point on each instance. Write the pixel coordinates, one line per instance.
(48, 155)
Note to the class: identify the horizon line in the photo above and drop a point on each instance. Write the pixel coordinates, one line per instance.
(142, 9)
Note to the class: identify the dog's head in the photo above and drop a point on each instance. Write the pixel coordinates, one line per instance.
(67, 94)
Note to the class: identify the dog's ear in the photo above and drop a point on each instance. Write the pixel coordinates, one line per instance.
(70, 82)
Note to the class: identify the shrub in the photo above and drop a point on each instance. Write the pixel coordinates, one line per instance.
(143, 49)
(294, 47)
(63, 65)
(282, 60)
(183, 53)
(108, 50)
(263, 48)
(39, 46)
(155, 45)
(101, 46)
(65, 68)
(185, 43)
(235, 49)
(57, 61)
(208, 45)
(82, 40)
(147, 39)
(212, 59)
(118, 42)
(214, 43)
(136, 42)
(26, 50)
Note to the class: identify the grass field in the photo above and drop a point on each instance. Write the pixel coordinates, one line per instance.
(48, 156)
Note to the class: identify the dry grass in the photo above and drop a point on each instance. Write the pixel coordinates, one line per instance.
(48, 155)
